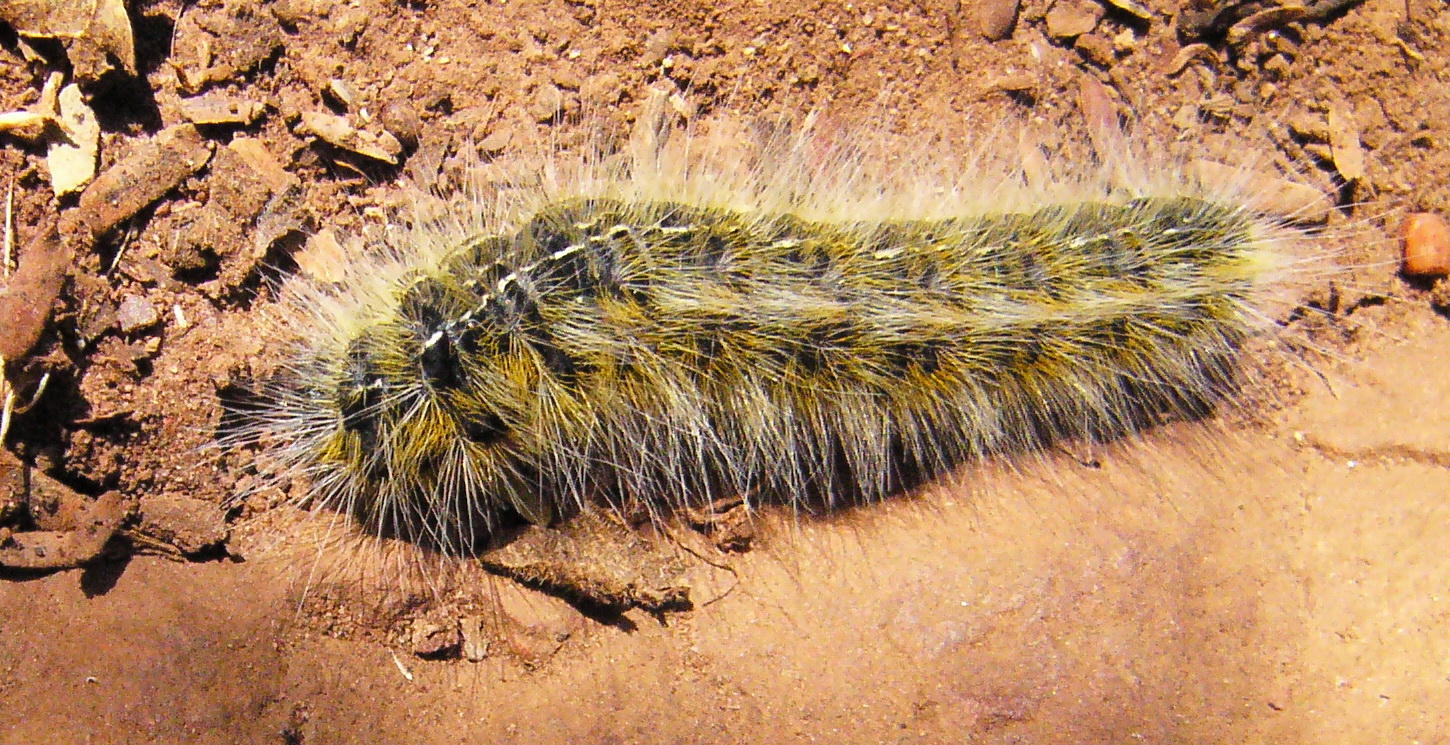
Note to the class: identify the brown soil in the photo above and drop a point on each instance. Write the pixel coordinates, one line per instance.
(1281, 580)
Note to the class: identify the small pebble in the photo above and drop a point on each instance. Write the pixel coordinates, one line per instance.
(1427, 245)
(995, 18)
(342, 92)
(136, 313)
(402, 121)
(1072, 19)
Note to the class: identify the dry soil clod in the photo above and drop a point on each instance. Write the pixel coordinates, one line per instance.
(71, 529)
(190, 526)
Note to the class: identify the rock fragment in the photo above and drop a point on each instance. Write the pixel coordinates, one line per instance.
(71, 157)
(548, 102)
(432, 640)
(475, 644)
(401, 120)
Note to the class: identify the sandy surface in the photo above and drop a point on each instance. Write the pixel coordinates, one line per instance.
(1274, 578)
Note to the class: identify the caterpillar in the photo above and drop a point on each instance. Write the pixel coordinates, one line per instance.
(796, 321)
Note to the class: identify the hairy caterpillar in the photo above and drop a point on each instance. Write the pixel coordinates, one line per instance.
(792, 322)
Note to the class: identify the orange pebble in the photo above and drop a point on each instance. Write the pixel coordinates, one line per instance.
(1427, 245)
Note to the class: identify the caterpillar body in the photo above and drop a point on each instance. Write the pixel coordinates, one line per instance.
(677, 334)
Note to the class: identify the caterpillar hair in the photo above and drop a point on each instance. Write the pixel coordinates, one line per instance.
(791, 316)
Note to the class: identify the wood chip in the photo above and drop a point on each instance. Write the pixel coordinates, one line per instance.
(27, 125)
(335, 130)
(1262, 21)
(151, 169)
(26, 300)
(219, 109)
(1175, 64)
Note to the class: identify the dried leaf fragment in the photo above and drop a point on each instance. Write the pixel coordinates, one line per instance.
(1344, 144)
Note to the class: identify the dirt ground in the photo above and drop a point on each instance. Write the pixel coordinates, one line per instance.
(1273, 578)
